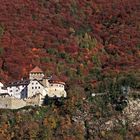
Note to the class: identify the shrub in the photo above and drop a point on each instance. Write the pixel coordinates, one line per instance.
(51, 51)
(1, 51)
(87, 41)
(1, 31)
(45, 59)
(63, 55)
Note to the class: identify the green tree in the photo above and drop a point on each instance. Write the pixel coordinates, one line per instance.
(1, 31)
(1, 51)
(87, 41)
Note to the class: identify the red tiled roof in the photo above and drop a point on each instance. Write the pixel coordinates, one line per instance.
(55, 79)
(46, 77)
(36, 70)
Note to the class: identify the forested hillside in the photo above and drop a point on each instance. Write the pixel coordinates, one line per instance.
(80, 41)
(93, 46)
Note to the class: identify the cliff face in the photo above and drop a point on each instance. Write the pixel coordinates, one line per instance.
(110, 124)
(68, 37)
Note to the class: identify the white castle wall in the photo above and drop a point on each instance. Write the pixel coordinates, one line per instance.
(57, 90)
(35, 87)
(16, 91)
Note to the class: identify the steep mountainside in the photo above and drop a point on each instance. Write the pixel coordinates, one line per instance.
(70, 38)
(90, 122)
(94, 46)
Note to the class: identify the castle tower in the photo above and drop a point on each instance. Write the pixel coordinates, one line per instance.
(36, 73)
(45, 81)
(57, 87)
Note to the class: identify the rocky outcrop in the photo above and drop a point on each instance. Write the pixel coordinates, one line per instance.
(117, 121)
(132, 112)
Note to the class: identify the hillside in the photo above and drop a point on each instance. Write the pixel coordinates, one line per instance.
(88, 122)
(93, 46)
(77, 40)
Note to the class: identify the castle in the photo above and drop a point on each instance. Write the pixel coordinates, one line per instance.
(31, 91)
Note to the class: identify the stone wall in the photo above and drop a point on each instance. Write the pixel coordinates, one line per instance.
(5, 102)
(35, 100)
(57, 93)
(16, 103)
(11, 103)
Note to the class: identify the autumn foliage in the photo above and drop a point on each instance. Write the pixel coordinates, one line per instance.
(61, 36)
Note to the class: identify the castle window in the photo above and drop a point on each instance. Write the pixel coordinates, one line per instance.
(32, 87)
(35, 87)
(38, 87)
(10, 90)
